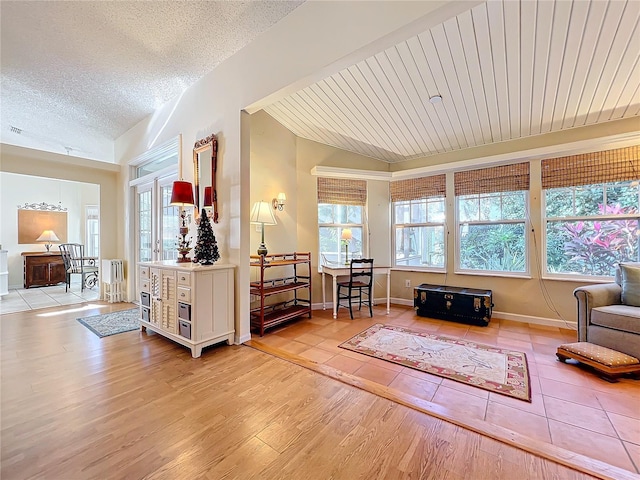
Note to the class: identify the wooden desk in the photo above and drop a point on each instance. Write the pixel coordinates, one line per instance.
(336, 272)
(43, 268)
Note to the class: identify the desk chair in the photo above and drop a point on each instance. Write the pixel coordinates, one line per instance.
(76, 263)
(358, 287)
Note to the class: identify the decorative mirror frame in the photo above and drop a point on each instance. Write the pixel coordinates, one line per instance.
(201, 146)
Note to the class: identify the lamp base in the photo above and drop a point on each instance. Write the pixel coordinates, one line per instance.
(262, 249)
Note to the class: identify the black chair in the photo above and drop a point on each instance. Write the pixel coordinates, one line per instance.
(359, 286)
(76, 263)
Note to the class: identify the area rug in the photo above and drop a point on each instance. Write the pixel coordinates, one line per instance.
(495, 369)
(113, 323)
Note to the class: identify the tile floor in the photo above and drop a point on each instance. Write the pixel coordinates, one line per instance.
(571, 407)
(22, 299)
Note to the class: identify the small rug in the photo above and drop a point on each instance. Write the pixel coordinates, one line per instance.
(112, 323)
(495, 369)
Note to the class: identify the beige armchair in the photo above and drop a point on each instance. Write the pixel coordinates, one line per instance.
(604, 320)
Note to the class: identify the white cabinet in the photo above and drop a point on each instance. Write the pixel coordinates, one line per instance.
(190, 304)
(4, 273)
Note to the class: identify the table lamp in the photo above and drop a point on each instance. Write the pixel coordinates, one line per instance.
(262, 213)
(346, 237)
(48, 237)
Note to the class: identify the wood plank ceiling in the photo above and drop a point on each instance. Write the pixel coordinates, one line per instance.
(505, 70)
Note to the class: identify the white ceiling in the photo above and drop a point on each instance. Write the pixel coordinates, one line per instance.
(76, 75)
(505, 70)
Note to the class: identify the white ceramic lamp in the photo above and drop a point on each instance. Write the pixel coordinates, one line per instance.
(48, 237)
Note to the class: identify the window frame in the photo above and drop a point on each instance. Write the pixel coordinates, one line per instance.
(396, 225)
(546, 274)
(526, 273)
(322, 260)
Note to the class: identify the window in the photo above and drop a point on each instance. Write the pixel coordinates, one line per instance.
(491, 217)
(92, 231)
(418, 222)
(341, 207)
(591, 205)
(157, 222)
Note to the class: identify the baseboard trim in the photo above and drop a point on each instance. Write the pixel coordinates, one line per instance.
(516, 317)
(549, 322)
(240, 340)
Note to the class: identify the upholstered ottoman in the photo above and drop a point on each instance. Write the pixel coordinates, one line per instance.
(609, 363)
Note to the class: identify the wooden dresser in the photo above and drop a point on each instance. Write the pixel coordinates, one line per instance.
(42, 269)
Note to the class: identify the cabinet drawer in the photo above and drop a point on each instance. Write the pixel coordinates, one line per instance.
(145, 285)
(184, 279)
(144, 273)
(184, 294)
(184, 311)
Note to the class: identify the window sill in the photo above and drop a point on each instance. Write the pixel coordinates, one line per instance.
(580, 279)
(418, 269)
(520, 275)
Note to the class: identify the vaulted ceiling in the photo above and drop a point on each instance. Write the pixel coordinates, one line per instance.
(76, 75)
(503, 70)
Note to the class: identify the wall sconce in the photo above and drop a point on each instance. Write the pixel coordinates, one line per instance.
(48, 237)
(279, 201)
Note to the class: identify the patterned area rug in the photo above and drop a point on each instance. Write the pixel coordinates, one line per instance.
(112, 323)
(494, 369)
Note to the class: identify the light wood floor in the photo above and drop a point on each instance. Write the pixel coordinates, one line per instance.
(136, 405)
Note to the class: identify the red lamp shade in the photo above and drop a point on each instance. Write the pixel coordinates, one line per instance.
(182, 194)
(207, 197)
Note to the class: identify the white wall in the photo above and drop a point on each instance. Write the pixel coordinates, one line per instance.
(16, 189)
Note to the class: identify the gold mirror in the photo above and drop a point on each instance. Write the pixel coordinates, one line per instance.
(205, 158)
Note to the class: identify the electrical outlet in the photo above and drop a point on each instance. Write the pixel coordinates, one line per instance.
(407, 283)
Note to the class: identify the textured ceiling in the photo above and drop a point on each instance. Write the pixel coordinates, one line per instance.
(78, 74)
(505, 70)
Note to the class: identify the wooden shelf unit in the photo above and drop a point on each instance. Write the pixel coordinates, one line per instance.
(291, 285)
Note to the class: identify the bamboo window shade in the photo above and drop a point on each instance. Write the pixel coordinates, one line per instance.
(606, 166)
(342, 191)
(418, 188)
(503, 178)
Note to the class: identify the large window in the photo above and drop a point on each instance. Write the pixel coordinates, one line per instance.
(92, 231)
(418, 222)
(341, 220)
(591, 212)
(491, 218)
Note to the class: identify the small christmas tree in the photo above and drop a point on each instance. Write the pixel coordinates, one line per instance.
(206, 250)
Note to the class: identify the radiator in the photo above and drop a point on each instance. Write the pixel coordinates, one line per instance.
(113, 280)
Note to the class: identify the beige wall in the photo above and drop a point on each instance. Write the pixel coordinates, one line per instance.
(273, 170)
(311, 154)
(37, 163)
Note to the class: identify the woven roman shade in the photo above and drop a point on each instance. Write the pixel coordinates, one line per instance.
(503, 178)
(607, 166)
(342, 191)
(418, 188)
